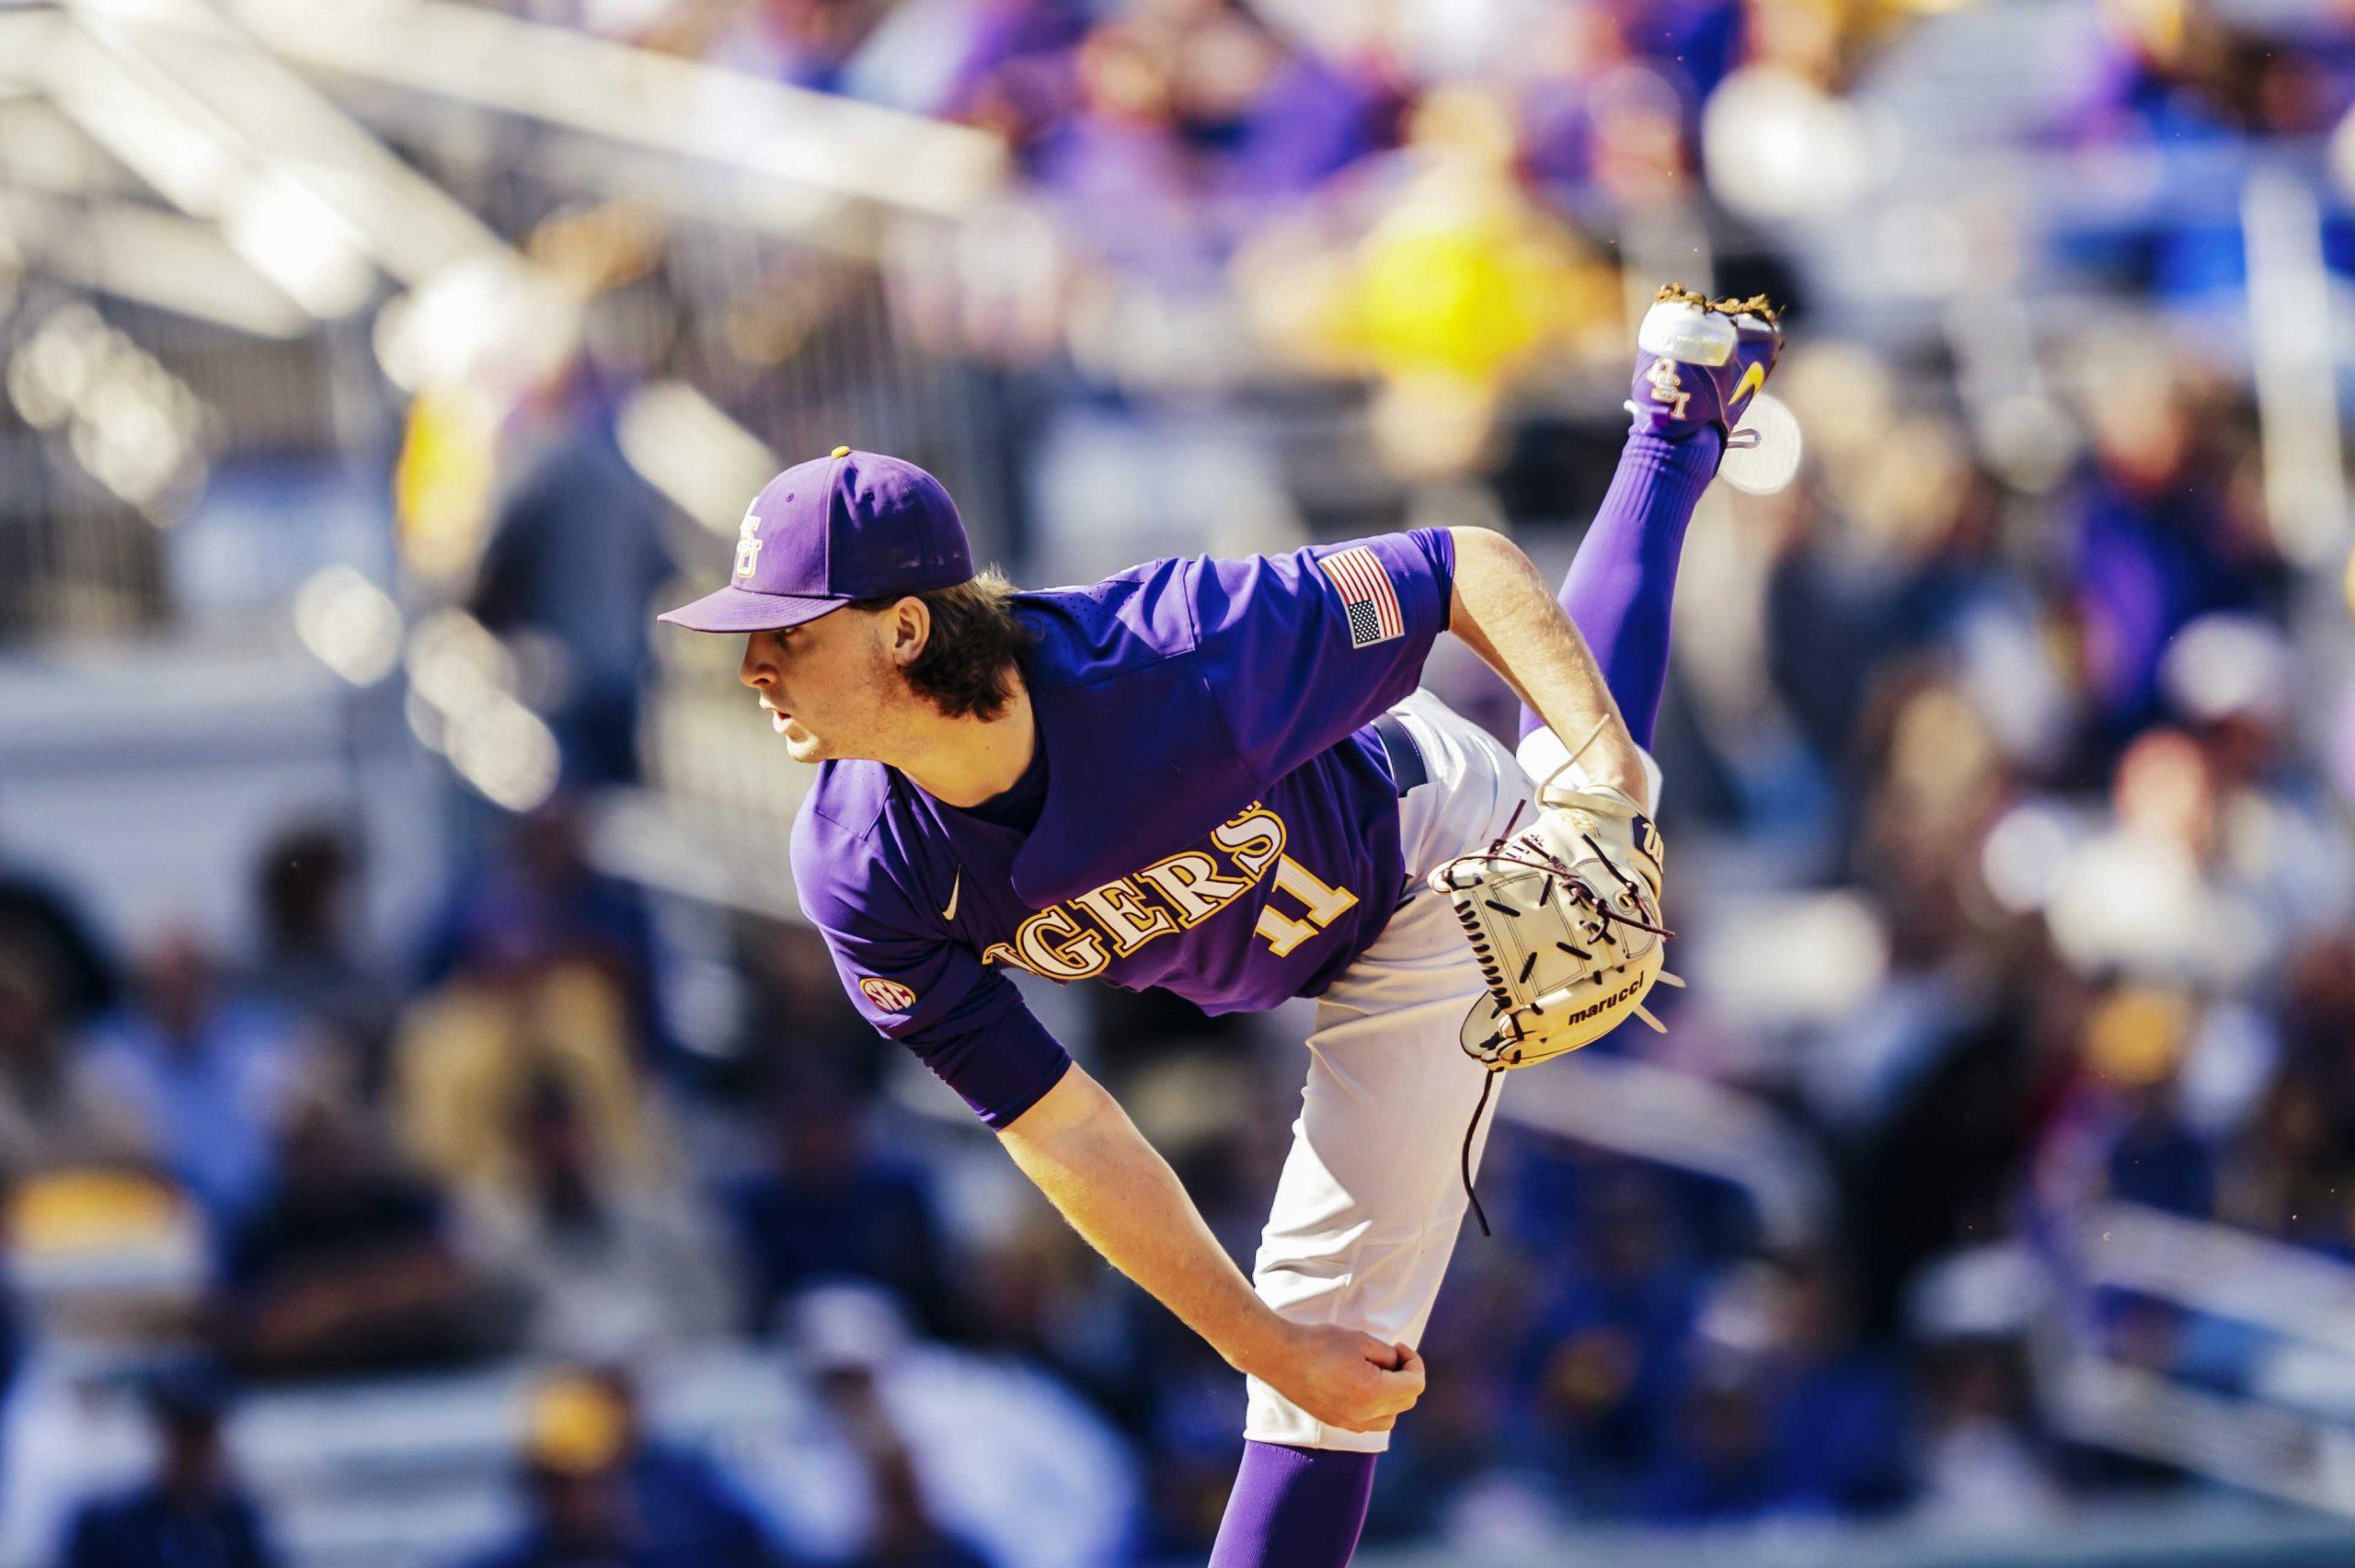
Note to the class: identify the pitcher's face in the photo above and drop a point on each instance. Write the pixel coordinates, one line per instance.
(827, 685)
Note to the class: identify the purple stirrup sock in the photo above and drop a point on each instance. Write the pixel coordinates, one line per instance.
(1620, 583)
(1294, 1508)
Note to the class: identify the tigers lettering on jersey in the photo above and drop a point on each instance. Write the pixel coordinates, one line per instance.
(1073, 940)
(1216, 822)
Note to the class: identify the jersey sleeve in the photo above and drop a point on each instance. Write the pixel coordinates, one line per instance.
(962, 1019)
(1303, 648)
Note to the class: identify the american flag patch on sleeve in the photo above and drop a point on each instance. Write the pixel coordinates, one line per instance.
(1367, 595)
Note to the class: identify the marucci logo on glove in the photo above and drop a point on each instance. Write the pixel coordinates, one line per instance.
(1367, 596)
(1564, 924)
(1634, 988)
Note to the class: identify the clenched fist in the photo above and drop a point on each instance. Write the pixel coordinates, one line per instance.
(1346, 1378)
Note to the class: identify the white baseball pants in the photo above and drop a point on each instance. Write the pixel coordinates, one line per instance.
(1366, 1213)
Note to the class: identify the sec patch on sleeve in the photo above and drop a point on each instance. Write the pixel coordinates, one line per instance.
(1367, 595)
(889, 995)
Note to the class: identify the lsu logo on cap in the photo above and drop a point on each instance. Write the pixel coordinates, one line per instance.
(889, 995)
(748, 543)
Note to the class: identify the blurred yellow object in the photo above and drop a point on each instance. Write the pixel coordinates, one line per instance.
(443, 481)
(1463, 289)
(1457, 288)
(1465, 276)
(69, 1211)
(576, 1425)
(467, 1055)
(2162, 27)
(2135, 1037)
(2349, 585)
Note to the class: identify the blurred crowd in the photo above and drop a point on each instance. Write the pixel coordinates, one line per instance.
(1448, 199)
(488, 1156)
(2014, 831)
(2016, 876)
(2009, 765)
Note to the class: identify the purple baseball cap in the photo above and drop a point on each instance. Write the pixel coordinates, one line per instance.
(848, 525)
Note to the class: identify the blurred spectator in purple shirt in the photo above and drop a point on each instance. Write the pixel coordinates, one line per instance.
(1838, 1408)
(2122, 1134)
(1116, 170)
(831, 1207)
(1571, 49)
(2167, 525)
(1699, 40)
(204, 1074)
(305, 890)
(2188, 81)
(1009, 61)
(192, 1513)
(1717, 1463)
(604, 1259)
(536, 901)
(346, 1266)
(1272, 120)
(1602, 1358)
(2178, 68)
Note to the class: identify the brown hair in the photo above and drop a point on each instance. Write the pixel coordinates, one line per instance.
(966, 666)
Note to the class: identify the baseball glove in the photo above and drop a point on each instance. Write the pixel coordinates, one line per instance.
(1563, 918)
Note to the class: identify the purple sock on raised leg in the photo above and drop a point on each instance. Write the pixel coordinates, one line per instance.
(1623, 577)
(1294, 1508)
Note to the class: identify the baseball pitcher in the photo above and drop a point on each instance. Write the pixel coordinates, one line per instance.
(1219, 778)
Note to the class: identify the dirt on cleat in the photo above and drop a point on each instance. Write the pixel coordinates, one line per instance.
(1756, 304)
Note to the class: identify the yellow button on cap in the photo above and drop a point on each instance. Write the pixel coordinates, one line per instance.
(839, 452)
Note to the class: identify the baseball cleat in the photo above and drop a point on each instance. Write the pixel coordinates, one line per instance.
(1699, 361)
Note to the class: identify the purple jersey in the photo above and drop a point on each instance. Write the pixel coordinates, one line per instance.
(1213, 822)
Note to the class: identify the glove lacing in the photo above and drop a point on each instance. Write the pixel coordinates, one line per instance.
(1539, 858)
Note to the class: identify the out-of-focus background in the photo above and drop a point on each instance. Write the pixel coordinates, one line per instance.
(429, 1135)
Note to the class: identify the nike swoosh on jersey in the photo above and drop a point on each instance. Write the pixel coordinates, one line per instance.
(956, 890)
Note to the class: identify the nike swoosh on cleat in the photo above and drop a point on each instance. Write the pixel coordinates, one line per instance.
(956, 890)
(1752, 380)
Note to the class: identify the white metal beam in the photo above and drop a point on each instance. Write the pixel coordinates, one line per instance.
(573, 80)
(152, 256)
(208, 74)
